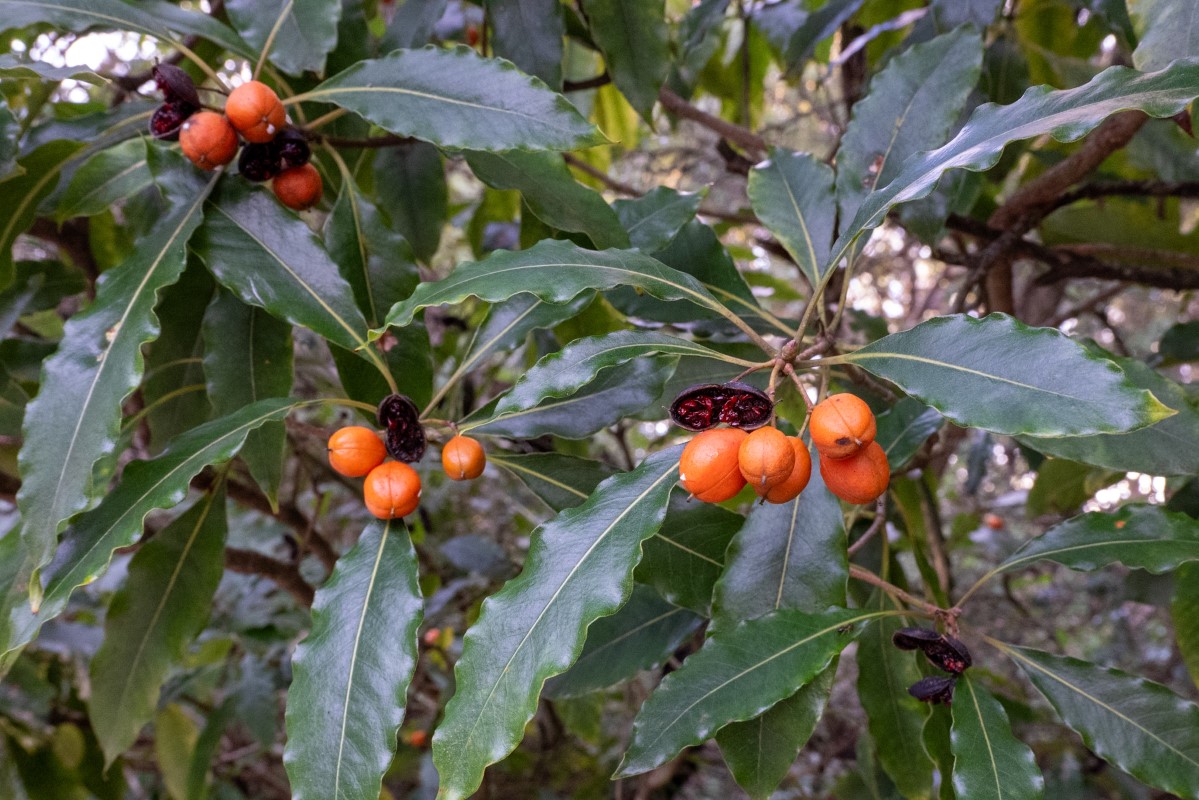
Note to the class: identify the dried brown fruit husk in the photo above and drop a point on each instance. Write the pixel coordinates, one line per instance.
(709, 404)
(934, 689)
(403, 435)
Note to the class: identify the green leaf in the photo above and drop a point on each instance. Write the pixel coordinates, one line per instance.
(11, 67)
(552, 193)
(936, 743)
(105, 179)
(1138, 536)
(248, 357)
(351, 674)
(815, 27)
(529, 34)
(413, 24)
(37, 176)
(9, 130)
(1167, 30)
(116, 522)
(949, 14)
(579, 569)
(1168, 447)
(618, 393)
(635, 40)
(685, 559)
(998, 374)
(1066, 115)
(641, 635)
(193, 22)
(655, 218)
(1184, 612)
(1139, 726)
(175, 737)
(738, 673)
(1062, 486)
(895, 719)
(904, 428)
(410, 184)
(989, 763)
(454, 98)
(162, 606)
(912, 105)
(304, 30)
(561, 481)
(77, 16)
(792, 194)
(556, 272)
(75, 419)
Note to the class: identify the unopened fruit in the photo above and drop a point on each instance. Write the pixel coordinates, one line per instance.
(291, 148)
(841, 425)
(176, 85)
(299, 188)
(463, 458)
(391, 490)
(790, 487)
(208, 140)
(861, 478)
(354, 451)
(708, 468)
(255, 111)
(765, 458)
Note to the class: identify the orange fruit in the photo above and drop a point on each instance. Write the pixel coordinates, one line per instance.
(355, 451)
(765, 458)
(789, 488)
(861, 478)
(708, 467)
(391, 490)
(463, 458)
(841, 425)
(299, 188)
(255, 111)
(208, 140)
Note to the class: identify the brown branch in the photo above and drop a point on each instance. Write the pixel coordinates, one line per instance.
(290, 516)
(742, 137)
(866, 576)
(1094, 191)
(590, 83)
(601, 176)
(287, 576)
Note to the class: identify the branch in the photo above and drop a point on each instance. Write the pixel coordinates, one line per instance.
(1093, 191)
(287, 576)
(590, 83)
(291, 516)
(601, 176)
(742, 137)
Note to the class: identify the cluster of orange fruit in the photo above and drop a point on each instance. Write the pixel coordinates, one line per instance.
(719, 462)
(392, 488)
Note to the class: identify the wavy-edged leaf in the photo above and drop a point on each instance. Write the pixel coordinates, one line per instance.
(529, 33)
(998, 374)
(685, 559)
(738, 673)
(641, 635)
(81, 15)
(162, 606)
(815, 27)
(248, 357)
(989, 763)
(561, 481)
(904, 428)
(1184, 612)
(1166, 29)
(635, 41)
(37, 175)
(75, 419)
(1066, 115)
(579, 569)
(410, 184)
(413, 24)
(105, 179)
(116, 522)
(350, 675)
(304, 30)
(792, 193)
(556, 272)
(653, 219)
(551, 193)
(455, 98)
(1138, 725)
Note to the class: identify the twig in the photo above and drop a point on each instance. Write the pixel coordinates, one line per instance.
(602, 177)
(249, 562)
(866, 576)
(880, 519)
(742, 137)
(590, 83)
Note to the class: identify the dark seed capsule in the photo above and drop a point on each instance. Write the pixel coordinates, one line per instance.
(949, 654)
(747, 407)
(914, 638)
(933, 689)
(404, 436)
(175, 84)
(168, 119)
(258, 162)
(292, 148)
(698, 408)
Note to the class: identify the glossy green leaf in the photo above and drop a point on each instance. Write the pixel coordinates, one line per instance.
(641, 635)
(38, 175)
(454, 98)
(248, 357)
(1167, 30)
(1138, 536)
(738, 673)
(175, 737)
(653, 219)
(949, 14)
(412, 24)
(1139, 726)
(74, 421)
(989, 762)
(1066, 115)
(351, 674)
(556, 272)
(81, 15)
(998, 374)
(617, 393)
(904, 428)
(635, 40)
(192, 21)
(792, 193)
(561, 481)
(685, 559)
(912, 105)
(12, 67)
(579, 569)
(304, 30)
(105, 179)
(815, 27)
(529, 34)
(936, 744)
(117, 521)
(552, 193)
(1184, 612)
(410, 184)
(162, 606)
(9, 128)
